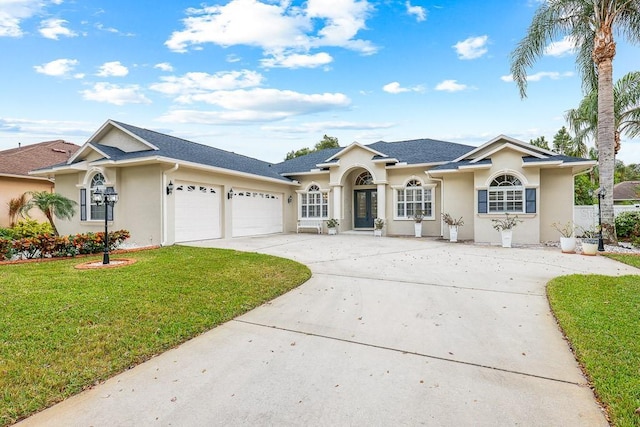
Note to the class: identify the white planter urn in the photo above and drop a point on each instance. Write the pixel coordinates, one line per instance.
(377, 232)
(418, 229)
(589, 246)
(568, 245)
(332, 231)
(507, 235)
(453, 233)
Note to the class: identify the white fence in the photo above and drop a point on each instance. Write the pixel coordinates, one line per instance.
(587, 216)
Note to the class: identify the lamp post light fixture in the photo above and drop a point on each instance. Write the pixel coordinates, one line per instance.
(600, 198)
(106, 197)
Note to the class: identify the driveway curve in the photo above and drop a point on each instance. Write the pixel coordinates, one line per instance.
(388, 331)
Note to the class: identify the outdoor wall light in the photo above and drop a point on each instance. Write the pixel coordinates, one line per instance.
(106, 197)
(290, 199)
(169, 188)
(230, 194)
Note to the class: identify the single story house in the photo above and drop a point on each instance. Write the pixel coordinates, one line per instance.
(172, 190)
(626, 193)
(15, 164)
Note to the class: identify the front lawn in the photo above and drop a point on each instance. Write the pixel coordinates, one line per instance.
(600, 316)
(63, 330)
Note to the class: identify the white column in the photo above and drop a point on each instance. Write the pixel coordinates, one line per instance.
(382, 201)
(337, 202)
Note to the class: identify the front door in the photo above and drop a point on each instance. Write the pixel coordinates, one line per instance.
(365, 207)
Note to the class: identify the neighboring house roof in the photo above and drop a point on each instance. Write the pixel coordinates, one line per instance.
(19, 161)
(627, 190)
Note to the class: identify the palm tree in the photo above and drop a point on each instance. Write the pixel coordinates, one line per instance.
(590, 24)
(51, 204)
(626, 111)
(16, 206)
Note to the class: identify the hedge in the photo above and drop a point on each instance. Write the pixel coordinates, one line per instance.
(50, 246)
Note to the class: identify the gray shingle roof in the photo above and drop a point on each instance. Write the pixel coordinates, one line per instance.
(457, 165)
(416, 151)
(561, 157)
(182, 149)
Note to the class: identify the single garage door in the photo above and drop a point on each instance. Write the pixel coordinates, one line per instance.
(256, 212)
(197, 211)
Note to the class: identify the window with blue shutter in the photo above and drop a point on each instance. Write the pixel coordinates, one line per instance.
(83, 204)
(482, 201)
(530, 200)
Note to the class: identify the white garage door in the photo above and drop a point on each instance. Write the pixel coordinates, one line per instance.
(197, 211)
(256, 212)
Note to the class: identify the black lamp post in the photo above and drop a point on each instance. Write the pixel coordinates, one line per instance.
(107, 198)
(600, 241)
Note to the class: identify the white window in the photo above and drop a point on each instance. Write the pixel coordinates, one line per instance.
(412, 198)
(506, 194)
(314, 203)
(96, 212)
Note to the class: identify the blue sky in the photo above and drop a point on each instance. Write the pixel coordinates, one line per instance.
(264, 77)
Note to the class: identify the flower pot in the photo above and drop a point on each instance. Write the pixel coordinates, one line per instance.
(589, 247)
(506, 238)
(332, 230)
(418, 229)
(568, 245)
(377, 232)
(453, 233)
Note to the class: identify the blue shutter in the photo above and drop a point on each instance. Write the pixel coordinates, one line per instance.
(530, 200)
(482, 201)
(83, 204)
(110, 208)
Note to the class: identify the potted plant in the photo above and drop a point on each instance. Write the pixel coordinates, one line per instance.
(332, 226)
(418, 216)
(567, 239)
(378, 225)
(589, 241)
(505, 227)
(453, 226)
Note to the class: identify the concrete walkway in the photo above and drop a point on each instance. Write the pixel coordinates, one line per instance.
(388, 331)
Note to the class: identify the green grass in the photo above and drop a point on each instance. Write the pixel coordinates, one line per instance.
(600, 316)
(62, 329)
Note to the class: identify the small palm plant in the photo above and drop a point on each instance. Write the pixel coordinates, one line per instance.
(52, 205)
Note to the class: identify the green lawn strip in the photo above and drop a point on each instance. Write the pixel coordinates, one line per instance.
(63, 329)
(600, 316)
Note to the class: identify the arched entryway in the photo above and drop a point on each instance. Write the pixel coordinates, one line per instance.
(365, 200)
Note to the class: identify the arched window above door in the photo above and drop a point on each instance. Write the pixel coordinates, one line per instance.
(364, 178)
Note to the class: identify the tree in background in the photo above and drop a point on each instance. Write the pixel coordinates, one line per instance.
(326, 142)
(589, 25)
(564, 143)
(540, 142)
(626, 111)
(51, 204)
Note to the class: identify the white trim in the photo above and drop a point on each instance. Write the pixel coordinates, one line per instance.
(351, 147)
(425, 187)
(511, 146)
(83, 149)
(508, 139)
(521, 177)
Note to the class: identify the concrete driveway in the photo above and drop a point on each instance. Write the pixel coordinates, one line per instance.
(388, 331)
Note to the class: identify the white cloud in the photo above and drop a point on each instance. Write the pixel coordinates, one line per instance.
(112, 69)
(472, 48)
(164, 66)
(419, 11)
(450, 86)
(186, 87)
(275, 26)
(566, 46)
(395, 88)
(553, 75)
(13, 12)
(297, 61)
(57, 68)
(115, 94)
(257, 105)
(53, 28)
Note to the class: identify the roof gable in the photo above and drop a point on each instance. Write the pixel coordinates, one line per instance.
(500, 143)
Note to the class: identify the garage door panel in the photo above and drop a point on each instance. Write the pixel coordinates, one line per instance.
(256, 213)
(197, 212)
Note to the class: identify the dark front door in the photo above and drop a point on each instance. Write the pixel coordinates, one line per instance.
(365, 206)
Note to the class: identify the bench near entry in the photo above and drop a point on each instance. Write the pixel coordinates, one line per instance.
(309, 224)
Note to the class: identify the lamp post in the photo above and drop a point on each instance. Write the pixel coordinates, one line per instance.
(106, 197)
(600, 241)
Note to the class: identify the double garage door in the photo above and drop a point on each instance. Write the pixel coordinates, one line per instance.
(198, 212)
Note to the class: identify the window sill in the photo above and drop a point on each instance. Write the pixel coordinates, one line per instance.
(413, 220)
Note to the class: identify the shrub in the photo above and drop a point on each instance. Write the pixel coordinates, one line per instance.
(47, 245)
(6, 233)
(31, 228)
(628, 225)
